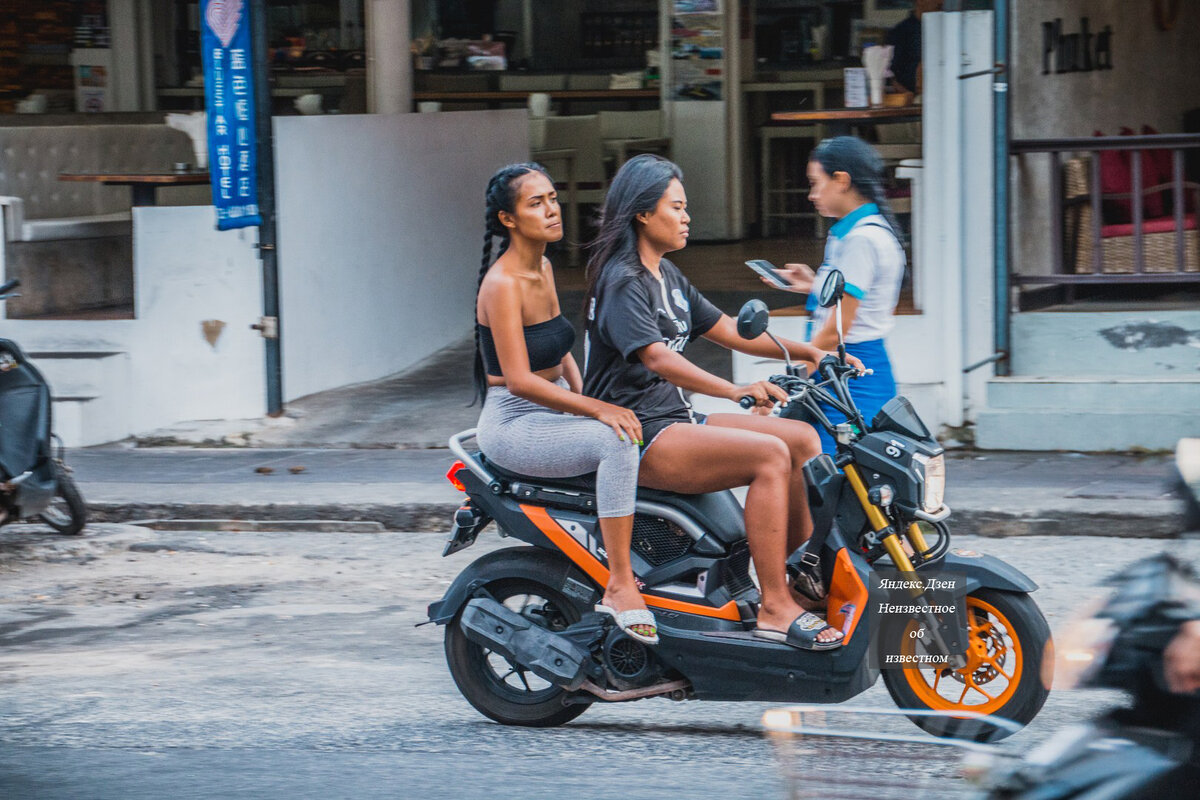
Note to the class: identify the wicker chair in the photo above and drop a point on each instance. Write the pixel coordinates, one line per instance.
(1117, 257)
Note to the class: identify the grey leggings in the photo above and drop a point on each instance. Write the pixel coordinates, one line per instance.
(525, 437)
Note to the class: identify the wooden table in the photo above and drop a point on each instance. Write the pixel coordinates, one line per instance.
(840, 120)
(143, 184)
(494, 98)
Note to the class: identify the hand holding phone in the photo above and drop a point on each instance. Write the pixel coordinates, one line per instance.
(767, 270)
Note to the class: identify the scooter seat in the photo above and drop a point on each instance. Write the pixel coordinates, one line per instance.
(720, 511)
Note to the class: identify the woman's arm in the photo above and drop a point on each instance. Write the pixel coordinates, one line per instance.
(725, 334)
(827, 337)
(672, 366)
(572, 374)
(502, 307)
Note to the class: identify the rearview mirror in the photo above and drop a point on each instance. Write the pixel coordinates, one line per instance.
(832, 289)
(752, 319)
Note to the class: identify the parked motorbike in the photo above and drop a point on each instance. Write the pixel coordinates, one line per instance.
(525, 647)
(1150, 747)
(35, 482)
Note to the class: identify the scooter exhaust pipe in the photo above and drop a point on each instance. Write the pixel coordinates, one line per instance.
(546, 654)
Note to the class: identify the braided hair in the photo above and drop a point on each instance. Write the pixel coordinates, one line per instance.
(500, 196)
(859, 160)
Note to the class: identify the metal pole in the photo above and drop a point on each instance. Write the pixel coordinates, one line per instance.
(267, 251)
(1002, 320)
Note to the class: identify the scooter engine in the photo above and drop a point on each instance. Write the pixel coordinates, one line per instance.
(628, 663)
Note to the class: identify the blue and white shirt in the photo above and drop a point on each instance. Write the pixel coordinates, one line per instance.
(863, 246)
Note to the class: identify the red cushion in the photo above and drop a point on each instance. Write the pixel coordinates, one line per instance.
(1153, 203)
(1158, 225)
(1115, 178)
(1164, 165)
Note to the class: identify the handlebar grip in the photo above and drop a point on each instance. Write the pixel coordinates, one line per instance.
(747, 401)
(8, 287)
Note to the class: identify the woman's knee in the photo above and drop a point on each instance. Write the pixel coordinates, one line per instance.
(772, 457)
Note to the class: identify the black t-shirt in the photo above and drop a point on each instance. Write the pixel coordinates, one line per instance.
(905, 38)
(631, 309)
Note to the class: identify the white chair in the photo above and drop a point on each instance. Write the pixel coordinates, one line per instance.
(627, 133)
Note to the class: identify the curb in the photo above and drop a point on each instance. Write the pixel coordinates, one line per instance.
(418, 517)
(436, 518)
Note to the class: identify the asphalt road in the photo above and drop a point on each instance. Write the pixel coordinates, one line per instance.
(265, 665)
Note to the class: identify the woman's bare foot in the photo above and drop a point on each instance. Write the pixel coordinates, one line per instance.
(622, 596)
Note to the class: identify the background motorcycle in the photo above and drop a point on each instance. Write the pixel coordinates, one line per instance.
(525, 648)
(35, 482)
(1149, 748)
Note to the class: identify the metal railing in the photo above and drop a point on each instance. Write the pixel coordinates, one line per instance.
(1082, 251)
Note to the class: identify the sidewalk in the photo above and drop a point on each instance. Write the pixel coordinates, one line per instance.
(992, 494)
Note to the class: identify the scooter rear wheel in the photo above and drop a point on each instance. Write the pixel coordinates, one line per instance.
(1007, 639)
(500, 689)
(67, 512)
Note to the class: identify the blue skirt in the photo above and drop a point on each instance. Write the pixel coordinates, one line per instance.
(869, 392)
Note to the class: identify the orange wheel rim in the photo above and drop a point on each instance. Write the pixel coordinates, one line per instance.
(993, 671)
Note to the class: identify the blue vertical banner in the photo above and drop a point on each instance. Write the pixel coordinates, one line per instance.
(229, 100)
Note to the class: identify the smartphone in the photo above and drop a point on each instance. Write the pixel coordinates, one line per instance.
(767, 270)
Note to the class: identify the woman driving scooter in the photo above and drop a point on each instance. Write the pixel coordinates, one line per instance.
(534, 419)
(641, 313)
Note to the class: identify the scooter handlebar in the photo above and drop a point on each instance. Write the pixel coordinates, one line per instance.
(747, 401)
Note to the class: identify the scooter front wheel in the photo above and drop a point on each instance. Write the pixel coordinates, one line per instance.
(500, 689)
(1007, 639)
(67, 513)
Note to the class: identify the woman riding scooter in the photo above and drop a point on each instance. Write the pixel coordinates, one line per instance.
(641, 313)
(534, 418)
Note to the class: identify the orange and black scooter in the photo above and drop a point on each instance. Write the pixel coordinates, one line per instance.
(526, 648)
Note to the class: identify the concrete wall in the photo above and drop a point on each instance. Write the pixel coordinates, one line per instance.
(133, 376)
(1152, 82)
(380, 228)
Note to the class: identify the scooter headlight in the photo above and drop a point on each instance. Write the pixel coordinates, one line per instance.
(935, 481)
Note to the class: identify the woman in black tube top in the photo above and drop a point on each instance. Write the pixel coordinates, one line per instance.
(535, 419)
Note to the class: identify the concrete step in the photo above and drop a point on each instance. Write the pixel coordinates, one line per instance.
(1084, 430)
(1094, 394)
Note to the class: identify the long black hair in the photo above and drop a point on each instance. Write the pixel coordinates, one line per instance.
(636, 189)
(501, 195)
(859, 160)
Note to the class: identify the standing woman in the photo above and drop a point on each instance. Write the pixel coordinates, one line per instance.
(535, 420)
(845, 176)
(641, 313)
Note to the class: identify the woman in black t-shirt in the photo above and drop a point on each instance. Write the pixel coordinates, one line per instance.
(641, 313)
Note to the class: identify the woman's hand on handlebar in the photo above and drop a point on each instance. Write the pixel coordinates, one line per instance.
(762, 393)
(621, 420)
(853, 361)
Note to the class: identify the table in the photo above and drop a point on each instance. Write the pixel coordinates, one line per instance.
(143, 184)
(840, 120)
(494, 98)
(567, 156)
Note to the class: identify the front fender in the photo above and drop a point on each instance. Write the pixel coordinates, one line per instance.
(988, 572)
(548, 567)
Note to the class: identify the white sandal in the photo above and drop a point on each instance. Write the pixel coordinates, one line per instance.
(626, 620)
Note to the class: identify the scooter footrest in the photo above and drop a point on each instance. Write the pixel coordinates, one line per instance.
(546, 654)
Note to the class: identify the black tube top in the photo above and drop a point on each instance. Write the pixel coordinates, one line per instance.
(547, 342)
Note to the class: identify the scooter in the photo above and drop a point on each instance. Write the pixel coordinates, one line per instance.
(1150, 747)
(525, 647)
(35, 482)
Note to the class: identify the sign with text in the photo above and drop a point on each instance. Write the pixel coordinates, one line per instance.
(229, 100)
(919, 620)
